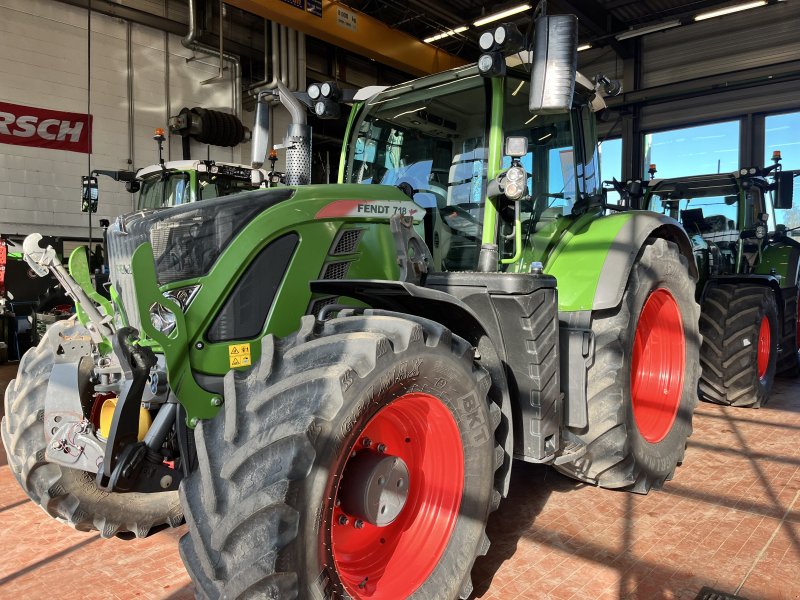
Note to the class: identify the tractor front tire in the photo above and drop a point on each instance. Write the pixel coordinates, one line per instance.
(642, 386)
(356, 460)
(68, 495)
(739, 324)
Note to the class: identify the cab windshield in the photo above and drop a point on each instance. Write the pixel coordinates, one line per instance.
(433, 139)
(175, 187)
(163, 190)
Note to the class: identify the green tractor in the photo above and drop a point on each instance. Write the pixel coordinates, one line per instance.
(333, 401)
(749, 267)
(175, 182)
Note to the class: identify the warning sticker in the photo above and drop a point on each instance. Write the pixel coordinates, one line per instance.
(239, 355)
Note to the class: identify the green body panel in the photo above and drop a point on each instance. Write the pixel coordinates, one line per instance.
(342, 157)
(79, 270)
(495, 155)
(188, 350)
(197, 401)
(574, 251)
(775, 259)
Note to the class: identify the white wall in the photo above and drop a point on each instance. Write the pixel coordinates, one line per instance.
(43, 63)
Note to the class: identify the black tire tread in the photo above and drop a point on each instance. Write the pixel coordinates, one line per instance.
(726, 321)
(609, 461)
(68, 495)
(269, 446)
(789, 357)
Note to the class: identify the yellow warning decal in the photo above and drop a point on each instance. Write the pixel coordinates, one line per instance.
(239, 355)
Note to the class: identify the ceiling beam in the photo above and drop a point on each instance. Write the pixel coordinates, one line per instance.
(367, 36)
(600, 22)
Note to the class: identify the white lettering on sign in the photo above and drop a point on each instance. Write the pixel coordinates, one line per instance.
(371, 208)
(73, 130)
(26, 127)
(44, 125)
(45, 128)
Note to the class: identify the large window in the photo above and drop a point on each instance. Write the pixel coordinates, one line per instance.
(434, 140)
(782, 132)
(698, 150)
(611, 165)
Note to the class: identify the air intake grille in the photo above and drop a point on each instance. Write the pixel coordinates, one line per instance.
(335, 270)
(347, 242)
(320, 303)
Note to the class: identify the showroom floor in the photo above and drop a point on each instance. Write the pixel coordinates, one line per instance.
(729, 521)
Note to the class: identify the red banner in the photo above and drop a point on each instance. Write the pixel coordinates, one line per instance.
(45, 128)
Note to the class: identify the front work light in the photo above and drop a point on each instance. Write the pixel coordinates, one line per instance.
(496, 44)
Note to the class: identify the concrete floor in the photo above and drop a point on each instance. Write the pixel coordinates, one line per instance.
(729, 520)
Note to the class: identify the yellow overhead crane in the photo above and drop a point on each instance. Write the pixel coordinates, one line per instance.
(357, 32)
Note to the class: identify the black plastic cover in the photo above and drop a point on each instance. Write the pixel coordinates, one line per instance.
(245, 311)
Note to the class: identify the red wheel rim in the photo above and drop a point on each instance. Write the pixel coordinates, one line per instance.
(391, 562)
(657, 368)
(764, 339)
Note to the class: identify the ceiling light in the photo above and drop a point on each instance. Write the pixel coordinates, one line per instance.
(502, 15)
(730, 9)
(649, 29)
(519, 87)
(447, 33)
(584, 47)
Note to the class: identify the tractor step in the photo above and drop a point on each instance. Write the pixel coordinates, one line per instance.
(570, 452)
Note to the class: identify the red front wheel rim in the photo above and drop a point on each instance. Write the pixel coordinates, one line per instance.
(392, 561)
(658, 366)
(764, 340)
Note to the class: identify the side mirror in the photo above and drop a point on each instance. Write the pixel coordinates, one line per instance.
(784, 189)
(133, 186)
(89, 194)
(555, 59)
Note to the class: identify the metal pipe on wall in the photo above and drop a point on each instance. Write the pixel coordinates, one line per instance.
(291, 42)
(190, 41)
(131, 108)
(284, 55)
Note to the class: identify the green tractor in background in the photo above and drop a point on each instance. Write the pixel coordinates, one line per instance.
(749, 267)
(175, 182)
(338, 398)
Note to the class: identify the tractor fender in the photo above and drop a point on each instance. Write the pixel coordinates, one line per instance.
(592, 265)
(413, 300)
(782, 259)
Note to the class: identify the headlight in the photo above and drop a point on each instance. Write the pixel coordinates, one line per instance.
(515, 174)
(164, 319)
(183, 296)
(514, 185)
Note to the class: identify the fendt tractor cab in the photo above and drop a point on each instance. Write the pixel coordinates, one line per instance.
(338, 399)
(742, 227)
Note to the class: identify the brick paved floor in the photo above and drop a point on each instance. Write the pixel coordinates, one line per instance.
(730, 519)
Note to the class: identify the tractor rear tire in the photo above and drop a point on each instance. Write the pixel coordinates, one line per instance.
(739, 324)
(789, 357)
(632, 442)
(69, 495)
(270, 507)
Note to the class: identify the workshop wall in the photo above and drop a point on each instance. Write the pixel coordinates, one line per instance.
(44, 50)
